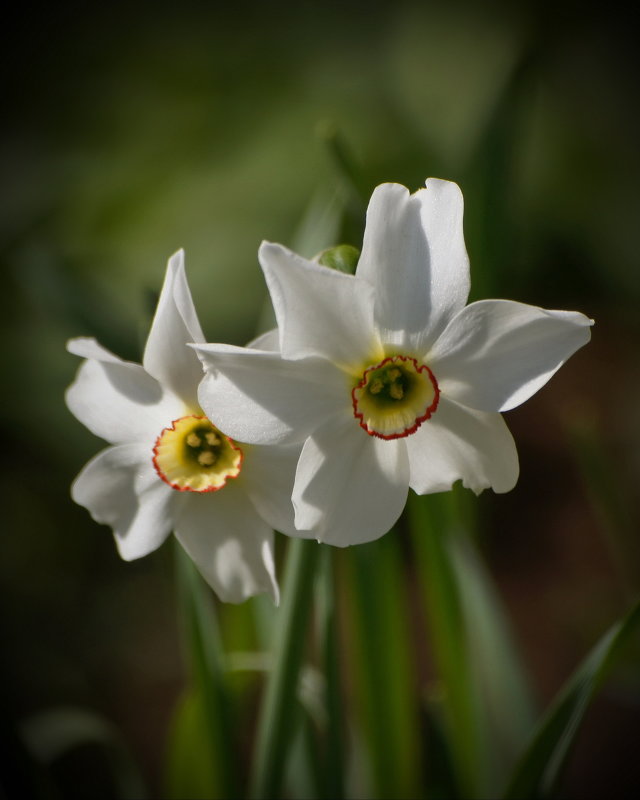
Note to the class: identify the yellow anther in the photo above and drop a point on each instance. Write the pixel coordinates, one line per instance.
(193, 456)
(395, 397)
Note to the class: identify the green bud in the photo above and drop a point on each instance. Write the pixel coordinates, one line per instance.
(342, 257)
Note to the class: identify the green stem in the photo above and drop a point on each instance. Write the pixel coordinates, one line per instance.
(205, 649)
(334, 766)
(279, 707)
(431, 523)
(384, 679)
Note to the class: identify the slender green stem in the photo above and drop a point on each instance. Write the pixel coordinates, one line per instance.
(205, 649)
(445, 615)
(334, 766)
(279, 707)
(383, 667)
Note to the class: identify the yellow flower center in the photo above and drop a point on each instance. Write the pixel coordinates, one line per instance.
(193, 456)
(393, 398)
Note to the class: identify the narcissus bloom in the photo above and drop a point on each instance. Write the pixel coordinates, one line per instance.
(388, 377)
(168, 467)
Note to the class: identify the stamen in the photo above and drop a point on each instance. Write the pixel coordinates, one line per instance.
(393, 398)
(193, 456)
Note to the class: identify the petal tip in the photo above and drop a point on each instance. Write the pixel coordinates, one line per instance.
(268, 248)
(178, 257)
(79, 344)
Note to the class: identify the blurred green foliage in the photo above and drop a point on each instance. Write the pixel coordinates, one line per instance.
(132, 130)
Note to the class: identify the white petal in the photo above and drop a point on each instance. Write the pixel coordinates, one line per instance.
(459, 443)
(117, 400)
(256, 396)
(166, 354)
(350, 487)
(270, 340)
(88, 347)
(229, 543)
(320, 312)
(414, 254)
(268, 473)
(120, 488)
(496, 353)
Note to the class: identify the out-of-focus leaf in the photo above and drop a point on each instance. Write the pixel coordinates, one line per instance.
(503, 689)
(318, 229)
(205, 655)
(492, 177)
(608, 496)
(382, 673)
(344, 162)
(485, 700)
(190, 770)
(334, 768)
(279, 707)
(540, 768)
(443, 607)
(320, 224)
(53, 733)
(303, 773)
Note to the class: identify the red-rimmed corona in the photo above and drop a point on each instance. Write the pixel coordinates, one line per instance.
(387, 377)
(192, 455)
(166, 463)
(394, 397)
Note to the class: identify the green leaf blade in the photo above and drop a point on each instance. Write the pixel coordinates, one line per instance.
(540, 768)
(485, 702)
(383, 674)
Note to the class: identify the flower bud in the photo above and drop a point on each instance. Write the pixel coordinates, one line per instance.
(343, 257)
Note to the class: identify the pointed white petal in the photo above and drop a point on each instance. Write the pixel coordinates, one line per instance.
(229, 543)
(350, 487)
(270, 340)
(88, 347)
(117, 400)
(166, 354)
(496, 353)
(459, 443)
(256, 396)
(268, 473)
(182, 297)
(320, 312)
(120, 488)
(414, 254)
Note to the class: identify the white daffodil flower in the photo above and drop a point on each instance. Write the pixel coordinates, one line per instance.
(388, 377)
(169, 468)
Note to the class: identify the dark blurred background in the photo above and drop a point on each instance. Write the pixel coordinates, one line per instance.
(131, 130)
